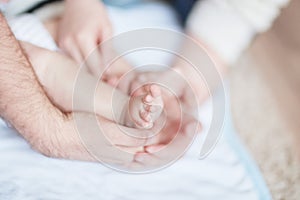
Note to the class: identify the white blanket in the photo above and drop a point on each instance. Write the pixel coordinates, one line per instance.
(228, 173)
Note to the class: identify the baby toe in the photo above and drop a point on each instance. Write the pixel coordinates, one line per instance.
(148, 98)
(155, 91)
(152, 108)
(146, 125)
(145, 116)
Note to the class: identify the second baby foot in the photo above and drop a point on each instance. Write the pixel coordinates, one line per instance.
(145, 109)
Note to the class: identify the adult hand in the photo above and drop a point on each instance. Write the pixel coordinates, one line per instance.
(178, 134)
(45, 127)
(84, 136)
(109, 142)
(83, 26)
(179, 130)
(115, 145)
(78, 137)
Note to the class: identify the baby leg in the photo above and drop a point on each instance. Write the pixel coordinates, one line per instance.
(58, 75)
(55, 72)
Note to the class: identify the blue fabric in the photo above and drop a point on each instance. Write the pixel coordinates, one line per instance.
(122, 3)
(183, 8)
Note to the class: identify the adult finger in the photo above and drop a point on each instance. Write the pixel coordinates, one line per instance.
(70, 47)
(123, 136)
(160, 155)
(104, 140)
(90, 51)
(106, 31)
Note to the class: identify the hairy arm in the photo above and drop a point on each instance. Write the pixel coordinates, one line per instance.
(24, 104)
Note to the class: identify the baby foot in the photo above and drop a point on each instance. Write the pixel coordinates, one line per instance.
(165, 78)
(145, 109)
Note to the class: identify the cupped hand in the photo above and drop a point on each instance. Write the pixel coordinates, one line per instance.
(84, 136)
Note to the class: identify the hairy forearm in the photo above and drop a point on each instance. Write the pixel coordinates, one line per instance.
(23, 103)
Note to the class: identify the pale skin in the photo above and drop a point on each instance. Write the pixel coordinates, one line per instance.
(58, 75)
(78, 39)
(78, 36)
(25, 105)
(191, 83)
(79, 31)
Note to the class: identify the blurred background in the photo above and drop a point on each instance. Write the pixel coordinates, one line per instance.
(265, 95)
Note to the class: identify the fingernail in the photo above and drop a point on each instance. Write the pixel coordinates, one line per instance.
(153, 149)
(148, 98)
(150, 149)
(147, 107)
